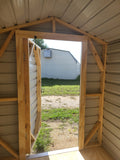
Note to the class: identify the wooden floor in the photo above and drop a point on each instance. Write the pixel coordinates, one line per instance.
(97, 153)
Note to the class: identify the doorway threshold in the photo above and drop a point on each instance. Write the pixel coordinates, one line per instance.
(67, 154)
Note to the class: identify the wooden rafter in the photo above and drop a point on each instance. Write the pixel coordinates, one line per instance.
(80, 31)
(96, 56)
(54, 28)
(53, 25)
(26, 24)
(82, 94)
(4, 46)
(6, 146)
(92, 132)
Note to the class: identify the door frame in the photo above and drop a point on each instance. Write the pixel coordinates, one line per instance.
(22, 35)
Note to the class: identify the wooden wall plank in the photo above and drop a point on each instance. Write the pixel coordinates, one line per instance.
(8, 148)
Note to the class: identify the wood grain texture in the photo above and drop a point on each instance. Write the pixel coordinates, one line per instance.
(48, 35)
(80, 31)
(82, 94)
(102, 88)
(7, 41)
(53, 25)
(37, 52)
(26, 25)
(92, 132)
(95, 153)
(96, 55)
(8, 99)
(27, 96)
(8, 148)
(21, 97)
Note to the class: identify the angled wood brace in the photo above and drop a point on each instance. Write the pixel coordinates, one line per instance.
(92, 132)
(6, 146)
(32, 137)
(96, 56)
(7, 41)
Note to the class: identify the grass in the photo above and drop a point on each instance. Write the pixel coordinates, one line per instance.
(56, 87)
(60, 87)
(61, 114)
(43, 140)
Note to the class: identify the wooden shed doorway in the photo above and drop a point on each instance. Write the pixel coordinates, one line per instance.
(24, 117)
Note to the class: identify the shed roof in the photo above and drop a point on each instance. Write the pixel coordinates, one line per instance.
(98, 17)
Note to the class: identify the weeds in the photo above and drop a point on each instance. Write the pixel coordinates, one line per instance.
(62, 114)
(43, 140)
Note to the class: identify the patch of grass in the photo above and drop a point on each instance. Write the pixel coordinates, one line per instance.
(60, 87)
(43, 140)
(62, 114)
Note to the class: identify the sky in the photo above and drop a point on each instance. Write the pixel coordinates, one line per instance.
(72, 46)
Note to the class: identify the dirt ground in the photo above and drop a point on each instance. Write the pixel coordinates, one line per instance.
(64, 135)
(59, 102)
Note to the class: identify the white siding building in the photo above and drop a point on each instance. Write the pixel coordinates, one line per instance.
(59, 64)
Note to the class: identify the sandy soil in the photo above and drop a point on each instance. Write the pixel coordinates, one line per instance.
(64, 135)
(60, 102)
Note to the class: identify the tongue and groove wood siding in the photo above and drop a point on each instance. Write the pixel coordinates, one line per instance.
(33, 91)
(111, 122)
(92, 86)
(8, 89)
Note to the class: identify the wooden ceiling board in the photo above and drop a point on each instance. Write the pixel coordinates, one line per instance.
(96, 17)
(74, 9)
(7, 17)
(35, 8)
(112, 34)
(103, 16)
(26, 9)
(47, 7)
(90, 11)
(19, 11)
(109, 25)
(60, 7)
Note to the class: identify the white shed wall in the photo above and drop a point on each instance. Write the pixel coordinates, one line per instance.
(60, 66)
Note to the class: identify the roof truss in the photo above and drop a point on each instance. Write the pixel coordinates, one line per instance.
(53, 20)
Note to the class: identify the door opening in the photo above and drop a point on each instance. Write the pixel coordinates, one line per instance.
(60, 81)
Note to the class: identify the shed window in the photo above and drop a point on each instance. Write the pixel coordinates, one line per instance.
(47, 53)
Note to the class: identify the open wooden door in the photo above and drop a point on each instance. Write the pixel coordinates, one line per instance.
(29, 93)
(35, 89)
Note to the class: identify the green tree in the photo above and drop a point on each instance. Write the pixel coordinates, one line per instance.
(41, 43)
